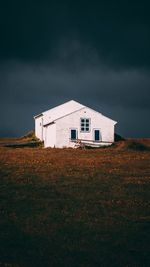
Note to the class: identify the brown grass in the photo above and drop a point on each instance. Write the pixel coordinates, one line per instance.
(66, 207)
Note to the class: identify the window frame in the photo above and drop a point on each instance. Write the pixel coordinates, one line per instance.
(85, 125)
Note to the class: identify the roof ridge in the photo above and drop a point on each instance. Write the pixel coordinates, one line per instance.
(61, 105)
(63, 116)
(42, 113)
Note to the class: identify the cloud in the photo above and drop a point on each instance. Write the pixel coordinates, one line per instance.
(95, 53)
(118, 31)
(37, 84)
(28, 89)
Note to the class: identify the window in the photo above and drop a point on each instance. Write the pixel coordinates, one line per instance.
(85, 125)
(73, 134)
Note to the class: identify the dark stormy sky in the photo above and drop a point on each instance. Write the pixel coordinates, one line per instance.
(95, 52)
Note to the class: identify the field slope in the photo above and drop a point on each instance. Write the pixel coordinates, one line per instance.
(75, 208)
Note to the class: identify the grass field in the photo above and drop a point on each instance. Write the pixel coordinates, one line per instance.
(75, 207)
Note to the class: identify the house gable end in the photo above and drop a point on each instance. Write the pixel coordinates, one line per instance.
(105, 117)
(93, 111)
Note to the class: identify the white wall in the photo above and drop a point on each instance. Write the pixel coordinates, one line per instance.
(98, 121)
(39, 127)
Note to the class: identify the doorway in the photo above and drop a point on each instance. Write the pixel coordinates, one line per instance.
(97, 135)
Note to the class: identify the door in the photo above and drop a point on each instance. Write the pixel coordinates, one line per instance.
(97, 135)
(73, 135)
(50, 135)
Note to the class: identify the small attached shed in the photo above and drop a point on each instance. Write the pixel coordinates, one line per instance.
(73, 124)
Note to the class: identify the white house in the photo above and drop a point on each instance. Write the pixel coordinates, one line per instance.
(72, 124)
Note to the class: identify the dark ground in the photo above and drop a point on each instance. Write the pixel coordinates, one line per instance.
(75, 208)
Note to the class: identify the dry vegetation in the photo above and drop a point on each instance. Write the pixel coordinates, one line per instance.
(75, 208)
